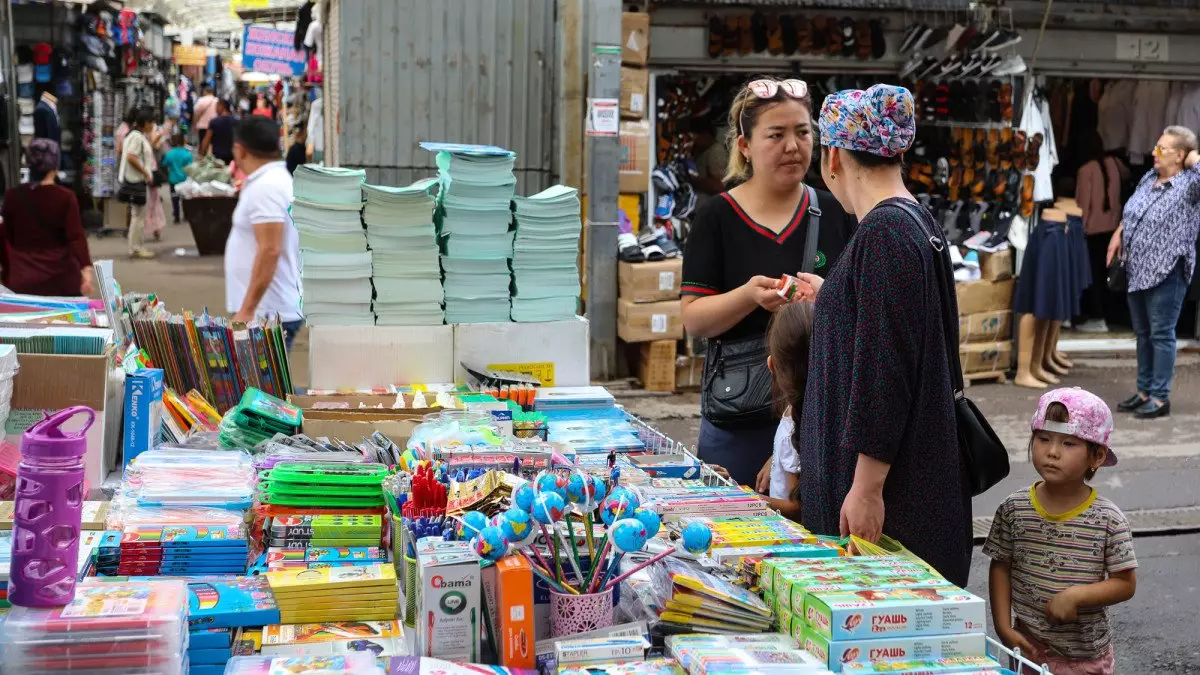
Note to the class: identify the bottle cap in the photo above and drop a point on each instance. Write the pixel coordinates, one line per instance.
(46, 439)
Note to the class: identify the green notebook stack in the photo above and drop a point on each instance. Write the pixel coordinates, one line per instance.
(322, 485)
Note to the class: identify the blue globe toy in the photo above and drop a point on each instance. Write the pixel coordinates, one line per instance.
(650, 519)
(620, 502)
(697, 538)
(599, 489)
(490, 544)
(548, 508)
(518, 526)
(627, 535)
(470, 523)
(549, 482)
(523, 496)
(579, 488)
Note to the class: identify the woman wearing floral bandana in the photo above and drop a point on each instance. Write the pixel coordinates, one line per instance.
(881, 454)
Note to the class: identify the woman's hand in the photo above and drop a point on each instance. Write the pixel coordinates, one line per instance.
(765, 292)
(1114, 247)
(862, 513)
(1191, 159)
(813, 282)
(762, 482)
(88, 287)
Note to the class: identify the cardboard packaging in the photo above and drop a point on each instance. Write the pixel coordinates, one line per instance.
(635, 38)
(992, 266)
(508, 587)
(657, 367)
(650, 281)
(635, 89)
(636, 159)
(985, 327)
(689, 370)
(888, 650)
(894, 612)
(364, 357)
(986, 357)
(976, 297)
(556, 352)
(353, 425)
(57, 381)
(645, 322)
(143, 411)
(448, 612)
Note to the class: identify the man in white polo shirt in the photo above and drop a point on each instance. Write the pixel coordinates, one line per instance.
(262, 254)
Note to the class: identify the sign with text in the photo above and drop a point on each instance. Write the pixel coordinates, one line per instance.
(220, 41)
(1149, 48)
(236, 6)
(269, 50)
(190, 55)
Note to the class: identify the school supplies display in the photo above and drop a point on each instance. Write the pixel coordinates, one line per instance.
(359, 593)
(257, 417)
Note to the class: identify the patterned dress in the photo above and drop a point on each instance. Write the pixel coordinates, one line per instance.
(879, 385)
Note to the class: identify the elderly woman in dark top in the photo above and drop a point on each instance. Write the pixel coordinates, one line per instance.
(44, 250)
(1157, 240)
(881, 451)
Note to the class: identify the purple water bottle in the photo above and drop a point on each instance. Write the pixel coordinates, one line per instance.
(47, 513)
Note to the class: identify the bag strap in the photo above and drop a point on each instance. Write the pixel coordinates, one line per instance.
(814, 228)
(943, 268)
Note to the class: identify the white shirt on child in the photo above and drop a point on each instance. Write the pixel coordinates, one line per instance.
(785, 460)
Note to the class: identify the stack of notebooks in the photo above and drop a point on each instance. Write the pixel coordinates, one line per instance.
(323, 485)
(368, 593)
(109, 627)
(209, 649)
(177, 550)
(545, 255)
(56, 339)
(316, 557)
(335, 265)
(216, 607)
(404, 254)
(474, 224)
(383, 638)
(701, 602)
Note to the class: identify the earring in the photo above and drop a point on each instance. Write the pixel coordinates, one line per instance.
(832, 175)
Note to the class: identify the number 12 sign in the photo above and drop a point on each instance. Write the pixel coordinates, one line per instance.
(1149, 48)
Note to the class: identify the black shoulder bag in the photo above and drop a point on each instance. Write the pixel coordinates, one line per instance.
(983, 453)
(737, 390)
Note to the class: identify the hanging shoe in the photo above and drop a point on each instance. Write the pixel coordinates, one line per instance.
(909, 40)
(787, 26)
(862, 34)
(716, 36)
(774, 36)
(758, 32)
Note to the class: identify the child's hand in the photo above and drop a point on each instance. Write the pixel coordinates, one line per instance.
(1013, 639)
(762, 482)
(1062, 608)
(720, 470)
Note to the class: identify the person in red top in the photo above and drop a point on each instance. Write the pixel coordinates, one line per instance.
(44, 250)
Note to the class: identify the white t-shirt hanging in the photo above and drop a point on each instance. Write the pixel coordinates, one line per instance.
(1035, 120)
(785, 460)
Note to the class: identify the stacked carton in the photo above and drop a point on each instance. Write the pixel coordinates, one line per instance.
(985, 319)
(635, 102)
(649, 312)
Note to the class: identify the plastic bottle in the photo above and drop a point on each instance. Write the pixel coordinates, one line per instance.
(48, 511)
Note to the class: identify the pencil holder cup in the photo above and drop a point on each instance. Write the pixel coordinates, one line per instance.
(574, 614)
(410, 595)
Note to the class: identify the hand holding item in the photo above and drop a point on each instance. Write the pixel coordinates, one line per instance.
(88, 287)
(762, 482)
(1062, 608)
(1013, 639)
(862, 514)
(813, 282)
(765, 292)
(1114, 248)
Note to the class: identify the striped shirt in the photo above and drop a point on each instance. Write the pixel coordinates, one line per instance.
(1052, 552)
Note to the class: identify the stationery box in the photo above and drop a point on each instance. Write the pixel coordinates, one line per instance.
(649, 321)
(667, 466)
(972, 665)
(894, 612)
(508, 587)
(650, 281)
(635, 88)
(634, 172)
(886, 650)
(635, 38)
(572, 652)
(985, 327)
(143, 411)
(448, 589)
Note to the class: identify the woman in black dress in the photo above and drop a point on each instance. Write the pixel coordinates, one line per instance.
(741, 243)
(880, 448)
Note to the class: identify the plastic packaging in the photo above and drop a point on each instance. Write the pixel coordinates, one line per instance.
(359, 663)
(47, 511)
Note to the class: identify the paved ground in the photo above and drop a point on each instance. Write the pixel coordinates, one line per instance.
(1156, 481)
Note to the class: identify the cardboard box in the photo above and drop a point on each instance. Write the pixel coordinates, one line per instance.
(650, 281)
(689, 372)
(894, 613)
(985, 327)
(889, 650)
(636, 157)
(657, 367)
(143, 411)
(645, 322)
(351, 426)
(976, 297)
(986, 357)
(635, 38)
(994, 266)
(557, 352)
(508, 587)
(635, 90)
(359, 402)
(448, 590)
(51, 382)
(363, 357)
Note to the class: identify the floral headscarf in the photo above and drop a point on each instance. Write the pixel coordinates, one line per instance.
(879, 120)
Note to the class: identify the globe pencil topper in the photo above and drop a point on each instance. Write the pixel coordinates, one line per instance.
(696, 539)
(523, 496)
(470, 523)
(490, 544)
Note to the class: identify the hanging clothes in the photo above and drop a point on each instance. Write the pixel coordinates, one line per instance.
(1116, 113)
(1149, 116)
(1035, 120)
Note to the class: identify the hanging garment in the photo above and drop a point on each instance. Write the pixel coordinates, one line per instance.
(1035, 120)
(1116, 113)
(303, 19)
(1149, 117)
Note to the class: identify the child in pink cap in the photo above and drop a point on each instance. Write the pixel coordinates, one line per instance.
(1061, 554)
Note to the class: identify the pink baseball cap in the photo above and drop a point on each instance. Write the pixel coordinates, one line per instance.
(1088, 417)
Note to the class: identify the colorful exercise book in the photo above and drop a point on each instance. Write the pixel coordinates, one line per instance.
(337, 631)
(235, 602)
(293, 584)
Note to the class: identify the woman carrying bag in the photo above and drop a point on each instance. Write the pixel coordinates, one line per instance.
(135, 175)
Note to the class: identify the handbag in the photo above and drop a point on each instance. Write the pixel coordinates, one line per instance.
(158, 177)
(736, 390)
(984, 456)
(1118, 277)
(132, 193)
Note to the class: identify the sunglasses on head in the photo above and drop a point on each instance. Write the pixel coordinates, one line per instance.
(768, 89)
